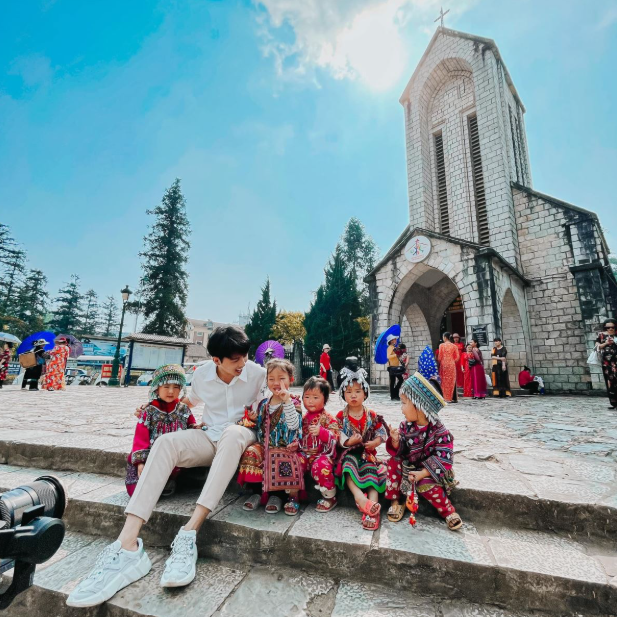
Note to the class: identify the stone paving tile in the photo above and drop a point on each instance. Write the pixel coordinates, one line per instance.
(568, 490)
(484, 477)
(431, 537)
(284, 593)
(341, 525)
(257, 519)
(23, 475)
(184, 503)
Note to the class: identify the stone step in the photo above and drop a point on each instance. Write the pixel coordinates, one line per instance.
(485, 492)
(487, 562)
(224, 591)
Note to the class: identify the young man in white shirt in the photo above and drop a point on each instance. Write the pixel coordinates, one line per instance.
(224, 386)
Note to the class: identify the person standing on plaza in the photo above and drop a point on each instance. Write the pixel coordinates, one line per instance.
(325, 366)
(607, 348)
(224, 386)
(449, 358)
(56, 365)
(5, 358)
(460, 372)
(33, 374)
(395, 368)
(476, 368)
(500, 376)
(466, 356)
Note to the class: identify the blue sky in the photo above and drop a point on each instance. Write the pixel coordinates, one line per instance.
(279, 117)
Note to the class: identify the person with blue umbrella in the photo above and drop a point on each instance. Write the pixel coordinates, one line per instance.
(395, 368)
(33, 373)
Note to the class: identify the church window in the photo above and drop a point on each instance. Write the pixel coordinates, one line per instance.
(515, 145)
(478, 180)
(442, 191)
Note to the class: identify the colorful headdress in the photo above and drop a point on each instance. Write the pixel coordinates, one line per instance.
(168, 373)
(349, 375)
(424, 396)
(427, 366)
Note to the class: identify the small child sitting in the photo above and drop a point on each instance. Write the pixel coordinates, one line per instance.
(320, 435)
(274, 461)
(362, 432)
(423, 446)
(163, 414)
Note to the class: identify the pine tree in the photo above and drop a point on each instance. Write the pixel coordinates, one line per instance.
(259, 327)
(333, 316)
(359, 253)
(32, 302)
(165, 257)
(110, 318)
(12, 266)
(69, 309)
(91, 317)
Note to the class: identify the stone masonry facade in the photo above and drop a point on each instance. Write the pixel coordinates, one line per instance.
(541, 279)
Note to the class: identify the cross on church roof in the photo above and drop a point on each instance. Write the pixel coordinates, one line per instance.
(442, 15)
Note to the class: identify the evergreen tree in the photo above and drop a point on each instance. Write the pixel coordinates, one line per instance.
(91, 317)
(110, 319)
(333, 316)
(32, 301)
(359, 253)
(259, 327)
(165, 256)
(12, 266)
(67, 316)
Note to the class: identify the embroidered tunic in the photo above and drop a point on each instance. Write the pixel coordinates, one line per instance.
(323, 444)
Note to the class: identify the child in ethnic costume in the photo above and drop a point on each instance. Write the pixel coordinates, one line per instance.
(421, 449)
(362, 432)
(274, 461)
(164, 414)
(320, 435)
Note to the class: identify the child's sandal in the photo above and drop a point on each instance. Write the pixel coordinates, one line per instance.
(252, 503)
(396, 512)
(371, 523)
(454, 521)
(372, 508)
(325, 505)
(274, 505)
(292, 507)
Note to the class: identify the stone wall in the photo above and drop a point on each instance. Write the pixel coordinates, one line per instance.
(564, 306)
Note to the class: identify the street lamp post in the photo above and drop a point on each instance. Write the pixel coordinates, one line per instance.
(115, 368)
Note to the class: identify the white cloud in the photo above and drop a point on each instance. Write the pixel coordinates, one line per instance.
(608, 19)
(350, 39)
(35, 70)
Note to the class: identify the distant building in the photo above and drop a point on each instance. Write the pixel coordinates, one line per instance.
(243, 319)
(198, 332)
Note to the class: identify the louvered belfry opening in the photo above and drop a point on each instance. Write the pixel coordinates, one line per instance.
(478, 181)
(442, 191)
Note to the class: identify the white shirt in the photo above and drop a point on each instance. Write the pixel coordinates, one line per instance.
(224, 403)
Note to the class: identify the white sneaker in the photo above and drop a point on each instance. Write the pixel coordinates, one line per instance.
(180, 567)
(115, 568)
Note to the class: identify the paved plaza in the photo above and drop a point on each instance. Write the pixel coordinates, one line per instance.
(555, 447)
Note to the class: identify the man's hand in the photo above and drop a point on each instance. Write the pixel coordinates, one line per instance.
(416, 476)
(395, 436)
(354, 440)
(198, 426)
(140, 468)
(314, 429)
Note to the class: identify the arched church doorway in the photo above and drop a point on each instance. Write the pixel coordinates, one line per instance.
(453, 319)
(429, 297)
(513, 337)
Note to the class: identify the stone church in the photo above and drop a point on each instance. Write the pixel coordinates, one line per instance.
(486, 254)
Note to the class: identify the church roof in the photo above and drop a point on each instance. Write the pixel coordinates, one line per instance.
(488, 43)
(410, 233)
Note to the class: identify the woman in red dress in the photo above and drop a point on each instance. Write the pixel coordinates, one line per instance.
(448, 356)
(460, 378)
(465, 357)
(478, 377)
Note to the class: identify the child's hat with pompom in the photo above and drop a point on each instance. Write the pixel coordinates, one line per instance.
(166, 374)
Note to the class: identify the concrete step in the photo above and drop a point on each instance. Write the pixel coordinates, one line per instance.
(224, 591)
(484, 492)
(486, 563)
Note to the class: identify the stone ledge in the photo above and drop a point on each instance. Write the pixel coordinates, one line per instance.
(485, 563)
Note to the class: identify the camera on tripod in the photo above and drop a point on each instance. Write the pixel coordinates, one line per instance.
(30, 531)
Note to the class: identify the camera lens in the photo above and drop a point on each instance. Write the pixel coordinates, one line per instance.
(46, 490)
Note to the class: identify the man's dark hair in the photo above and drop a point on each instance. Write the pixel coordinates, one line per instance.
(497, 339)
(226, 341)
(317, 383)
(607, 321)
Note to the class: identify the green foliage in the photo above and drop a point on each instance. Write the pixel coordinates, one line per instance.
(32, 303)
(359, 253)
(333, 316)
(91, 317)
(259, 328)
(67, 316)
(165, 257)
(289, 327)
(110, 320)
(613, 261)
(12, 268)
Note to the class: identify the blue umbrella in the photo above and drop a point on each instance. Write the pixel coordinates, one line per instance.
(28, 342)
(381, 346)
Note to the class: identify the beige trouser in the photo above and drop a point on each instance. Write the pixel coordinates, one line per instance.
(190, 448)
